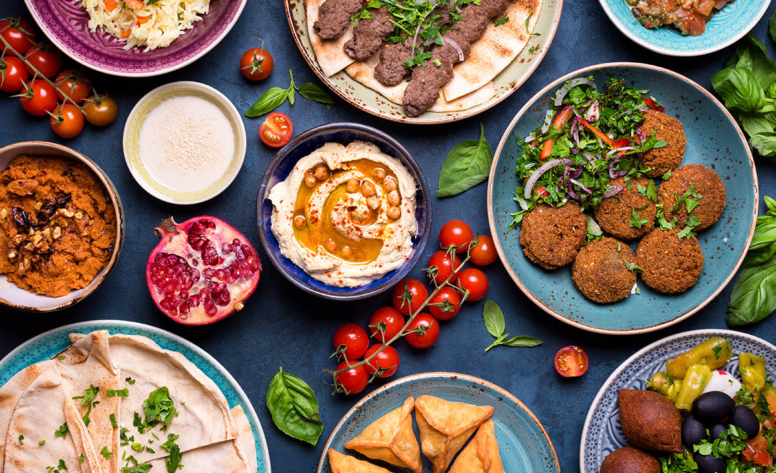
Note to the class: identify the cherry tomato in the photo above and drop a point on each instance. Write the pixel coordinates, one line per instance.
(389, 320)
(18, 33)
(445, 265)
(456, 233)
(74, 84)
(429, 327)
(474, 281)
(276, 130)
(39, 98)
(653, 105)
(451, 303)
(46, 59)
(13, 75)
(353, 338)
(571, 361)
(256, 64)
(67, 121)
(354, 380)
(409, 303)
(542, 192)
(387, 359)
(484, 253)
(101, 110)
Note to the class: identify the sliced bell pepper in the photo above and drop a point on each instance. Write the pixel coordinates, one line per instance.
(142, 20)
(600, 134)
(110, 5)
(134, 4)
(125, 33)
(560, 119)
(653, 105)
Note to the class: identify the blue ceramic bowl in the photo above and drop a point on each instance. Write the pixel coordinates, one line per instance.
(280, 167)
(522, 441)
(726, 27)
(603, 433)
(713, 139)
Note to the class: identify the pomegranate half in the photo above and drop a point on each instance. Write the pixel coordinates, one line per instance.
(202, 270)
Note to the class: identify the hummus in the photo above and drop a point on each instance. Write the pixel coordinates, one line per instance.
(346, 215)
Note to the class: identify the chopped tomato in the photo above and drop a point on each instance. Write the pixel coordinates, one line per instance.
(757, 451)
(621, 143)
(125, 33)
(571, 362)
(653, 105)
(142, 20)
(542, 192)
(560, 120)
(600, 134)
(110, 5)
(134, 4)
(276, 130)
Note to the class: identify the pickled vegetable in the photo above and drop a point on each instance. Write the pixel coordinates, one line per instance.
(752, 370)
(713, 353)
(664, 384)
(692, 386)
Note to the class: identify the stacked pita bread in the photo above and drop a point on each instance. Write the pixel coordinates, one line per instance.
(120, 403)
(444, 428)
(472, 83)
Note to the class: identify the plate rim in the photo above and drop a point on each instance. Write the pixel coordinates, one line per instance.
(451, 116)
(677, 53)
(435, 374)
(625, 364)
(250, 411)
(494, 166)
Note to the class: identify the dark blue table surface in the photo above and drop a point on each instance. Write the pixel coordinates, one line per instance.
(283, 326)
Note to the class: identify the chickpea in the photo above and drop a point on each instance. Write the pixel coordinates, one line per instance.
(394, 198)
(321, 173)
(300, 222)
(394, 212)
(331, 245)
(310, 181)
(390, 184)
(373, 202)
(360, 255)
(379, 175)
(368, 189)
(352, 185)
(346, 252)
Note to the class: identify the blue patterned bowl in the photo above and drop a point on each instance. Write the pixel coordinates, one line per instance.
(713, 139)
(603, 433)
(523, 443)
(48, 344)
(726, 27)
(280, 167)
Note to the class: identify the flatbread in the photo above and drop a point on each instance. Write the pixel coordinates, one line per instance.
(330, 53)
(496, 50)
(221, 457)
(245, 437)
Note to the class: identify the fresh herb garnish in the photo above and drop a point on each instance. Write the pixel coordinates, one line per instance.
(499, 22)
(635, 220)
(466, 165)
(275, 97)
(106, 453)
(118, 392)
(113, 423)
(495, 324)
(88, 400)
(62, 432)
(159, 407)
(21, 440)
(294, 407)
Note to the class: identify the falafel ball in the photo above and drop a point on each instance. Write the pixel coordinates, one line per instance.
(708, 197)
(670, 130)
(552, 236)
(615, 213)
(669, 264)
(601, 270)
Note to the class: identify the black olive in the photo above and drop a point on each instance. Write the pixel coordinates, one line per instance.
(710, 464)
(718, 429)
(745, 419)
(692, 432)
(711, 407)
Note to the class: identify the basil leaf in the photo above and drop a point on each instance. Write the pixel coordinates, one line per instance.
(523, 341)
(315, 92)
(466, 165)
(754, 295)
(754, 124)
(772, 26)
(753, 56)
(494, 318)
(764, 143)
(739, 89)
(294, 407)
(269, 101)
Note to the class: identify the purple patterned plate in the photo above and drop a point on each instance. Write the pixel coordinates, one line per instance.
(65, 24)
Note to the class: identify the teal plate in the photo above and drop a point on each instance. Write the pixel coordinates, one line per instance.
(523, 443)
(48, 344)
(713, 139)
(725, 28)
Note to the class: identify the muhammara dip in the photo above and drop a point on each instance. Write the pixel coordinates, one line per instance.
(346, 215)
(57, 225)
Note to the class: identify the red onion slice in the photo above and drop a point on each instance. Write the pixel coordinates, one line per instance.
(593, 114)
(592, 226)
(547, 121)
(575, 131)
(613, 191)
(561, 93)
(539, 172)
(641, 135)
(580, 185)
(617, 150)
(455, 46)
(529, 139)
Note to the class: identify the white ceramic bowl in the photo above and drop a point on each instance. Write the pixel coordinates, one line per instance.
(132, 145)
(17, 298)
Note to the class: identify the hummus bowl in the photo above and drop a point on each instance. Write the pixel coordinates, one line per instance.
(349, 273)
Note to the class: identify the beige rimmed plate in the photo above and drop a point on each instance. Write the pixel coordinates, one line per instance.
(368, 100)
(132, 141)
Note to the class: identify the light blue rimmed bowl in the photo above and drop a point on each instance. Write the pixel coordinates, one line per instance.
(48, 344)
(602, 433)
(725, 28)
(524, 445)
(280, 167)
(713, 140)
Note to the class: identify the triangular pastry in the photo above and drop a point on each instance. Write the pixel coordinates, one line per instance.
(481, 455)
(391, 439)
(445, 427)
(341, 463)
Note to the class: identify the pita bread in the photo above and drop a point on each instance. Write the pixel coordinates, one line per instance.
(221, 457)
(496, 50)
(330, 54)
(445, 427)
(391, 439)
(245, 437)
(340, 463)
(481, 455)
